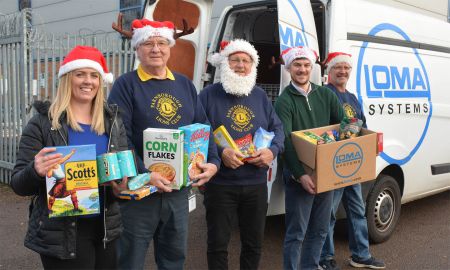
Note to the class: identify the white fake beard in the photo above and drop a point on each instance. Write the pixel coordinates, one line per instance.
(234, 83)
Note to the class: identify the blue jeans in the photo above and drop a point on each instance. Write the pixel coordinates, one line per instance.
(358, 237)
(162, 217)
(307, 223)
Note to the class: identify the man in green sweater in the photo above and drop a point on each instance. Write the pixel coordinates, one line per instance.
(304, 105)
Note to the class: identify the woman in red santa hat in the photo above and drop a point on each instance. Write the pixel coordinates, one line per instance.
(78, 115)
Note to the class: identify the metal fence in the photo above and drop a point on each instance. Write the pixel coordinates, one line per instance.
(29, 63)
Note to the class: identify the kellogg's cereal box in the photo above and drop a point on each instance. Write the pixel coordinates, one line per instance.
(196, 140)
(163, 153)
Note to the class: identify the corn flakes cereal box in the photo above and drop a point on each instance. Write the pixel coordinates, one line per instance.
(72, 184)
(163, 153)
(196, 141)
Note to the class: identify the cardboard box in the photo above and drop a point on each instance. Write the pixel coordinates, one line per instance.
(163, 153)
(339, 164)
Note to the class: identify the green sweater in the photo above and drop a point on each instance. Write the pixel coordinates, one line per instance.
(319, 108)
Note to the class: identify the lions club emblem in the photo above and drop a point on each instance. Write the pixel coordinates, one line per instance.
(167, 107)
(241, 117)
(349, 110)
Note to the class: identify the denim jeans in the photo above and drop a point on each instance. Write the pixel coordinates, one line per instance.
(307, 223)
(223, 204)
(162, 217)
(358, 237)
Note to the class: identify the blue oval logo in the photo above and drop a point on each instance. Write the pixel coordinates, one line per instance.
(401, 81)
(347, 160)
(289, 36)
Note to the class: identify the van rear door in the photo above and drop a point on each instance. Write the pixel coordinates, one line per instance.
(296, 27)
(188, 56)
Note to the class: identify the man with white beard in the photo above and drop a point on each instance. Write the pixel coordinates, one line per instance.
(239, 188)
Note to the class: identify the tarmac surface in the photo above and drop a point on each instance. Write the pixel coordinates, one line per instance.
(421, 240)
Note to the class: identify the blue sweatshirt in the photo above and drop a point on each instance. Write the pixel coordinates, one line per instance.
(158, 104)
(350, 104)
(241, 116)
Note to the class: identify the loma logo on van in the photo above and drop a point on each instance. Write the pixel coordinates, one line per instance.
(347, 160)
(394, 81)
(394, 85)
(292, 36)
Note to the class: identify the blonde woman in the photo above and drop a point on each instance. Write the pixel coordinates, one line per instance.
(78, 115)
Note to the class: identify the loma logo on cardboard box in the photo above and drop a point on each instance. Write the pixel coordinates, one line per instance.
(348, 159)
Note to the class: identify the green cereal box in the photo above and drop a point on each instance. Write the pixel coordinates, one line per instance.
(196, 140)
(163, 153)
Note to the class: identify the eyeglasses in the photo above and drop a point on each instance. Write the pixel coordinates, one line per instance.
(162, 44)
(236, 61)
(344, 68)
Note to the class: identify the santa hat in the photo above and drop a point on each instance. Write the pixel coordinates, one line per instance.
(232, 47)
(338, 57)
(290, 54)
(145, 29)
(86, 57)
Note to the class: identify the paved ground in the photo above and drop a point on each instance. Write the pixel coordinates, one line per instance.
(421, 240)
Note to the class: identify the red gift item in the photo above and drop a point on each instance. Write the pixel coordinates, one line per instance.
(379, 142)
(246, 146)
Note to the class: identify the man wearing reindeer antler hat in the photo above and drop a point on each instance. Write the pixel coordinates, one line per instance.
(154, 96)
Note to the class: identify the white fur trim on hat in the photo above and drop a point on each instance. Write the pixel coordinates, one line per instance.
(290, 54)
(85, 63)
(235, 46)
(341, 58)
(141, 35)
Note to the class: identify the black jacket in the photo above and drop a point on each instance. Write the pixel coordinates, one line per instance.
(57, 236)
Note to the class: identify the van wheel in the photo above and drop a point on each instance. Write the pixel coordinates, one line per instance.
(383, 208)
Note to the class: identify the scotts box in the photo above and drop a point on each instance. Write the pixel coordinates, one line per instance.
(338, 164)
(163, 153)
(196, 141)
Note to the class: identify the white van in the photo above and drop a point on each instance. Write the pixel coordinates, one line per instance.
(401, 54)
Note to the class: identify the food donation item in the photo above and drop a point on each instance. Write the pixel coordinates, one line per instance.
(263, 138)
(114, 166)
(163, 153)
(108, 168)
(196, 142)
(246, 146)
(138, 181)
(127, 163)
(350, 128)
(138, 193)
(328, 136)
(72, 184)
(223, 139)
(311, 137)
